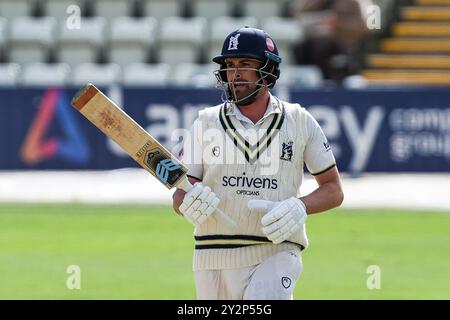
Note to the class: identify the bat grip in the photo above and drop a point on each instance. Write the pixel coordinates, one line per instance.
(186, 186)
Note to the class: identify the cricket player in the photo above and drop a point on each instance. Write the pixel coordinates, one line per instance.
(246, 157)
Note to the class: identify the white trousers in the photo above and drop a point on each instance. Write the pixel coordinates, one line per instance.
(272, 279)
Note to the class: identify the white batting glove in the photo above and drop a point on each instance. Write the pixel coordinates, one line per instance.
(198, 204)
(283, 219)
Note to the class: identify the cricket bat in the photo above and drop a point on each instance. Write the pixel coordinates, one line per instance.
(134, 140)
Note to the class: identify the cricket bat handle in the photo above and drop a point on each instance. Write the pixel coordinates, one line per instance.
(185, 185)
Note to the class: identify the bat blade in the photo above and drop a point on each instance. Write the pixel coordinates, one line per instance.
(129, 135)
(95, 106)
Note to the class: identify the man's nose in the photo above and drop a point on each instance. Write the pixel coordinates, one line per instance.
(237, 74)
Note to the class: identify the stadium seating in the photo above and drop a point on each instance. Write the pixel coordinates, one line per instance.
(262, 9)
(277, 27)
(81, 45)
(355, 82)
(409, 61)
(163, 8)
(144, 74)
(212, 9)
(304, 76)
(58, 8)
(30, 39)
(130, 39)
(414, 45)
(417, 50)
(9, 74)
(99, 74)
(17, 8)
(3, 22)
(43, 74)
(421, 29)
(425, 13)
(423, 77)
(113, 8)
(220, 28)
(181, 40)
(196, 75)
(184, 35)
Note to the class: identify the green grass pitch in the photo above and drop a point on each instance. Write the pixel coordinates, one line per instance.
(145, 252)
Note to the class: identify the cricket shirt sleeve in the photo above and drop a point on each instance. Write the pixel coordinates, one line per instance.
(192, 151)
(318, 155)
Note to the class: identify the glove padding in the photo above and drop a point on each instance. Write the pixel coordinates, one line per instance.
(198, 204)
(283, 218)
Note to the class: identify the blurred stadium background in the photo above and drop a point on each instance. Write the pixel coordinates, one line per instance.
(68, 196)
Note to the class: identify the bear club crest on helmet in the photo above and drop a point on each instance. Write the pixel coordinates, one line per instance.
(251, 43)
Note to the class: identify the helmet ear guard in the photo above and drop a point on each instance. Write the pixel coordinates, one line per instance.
(271, 71)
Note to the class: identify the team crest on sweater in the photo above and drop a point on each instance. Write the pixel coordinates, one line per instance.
(286, 151)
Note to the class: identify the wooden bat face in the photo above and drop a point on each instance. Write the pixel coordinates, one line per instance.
(129, 135)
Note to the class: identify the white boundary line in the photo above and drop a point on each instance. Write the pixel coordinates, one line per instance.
(136, 186)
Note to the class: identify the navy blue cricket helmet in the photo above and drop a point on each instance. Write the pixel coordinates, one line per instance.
(252, 43)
